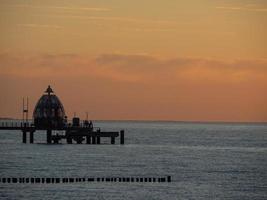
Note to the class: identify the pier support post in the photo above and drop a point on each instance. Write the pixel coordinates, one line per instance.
(122, 136)
(112, 140)
(98, 139)
(88, 140)
(69, 140)
(49, 136)
(31, 136)
(24, 136)
(93, 140)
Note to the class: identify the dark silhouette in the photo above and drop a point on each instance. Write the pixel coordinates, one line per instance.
(49, 115)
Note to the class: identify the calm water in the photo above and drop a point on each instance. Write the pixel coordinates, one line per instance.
(206, 161)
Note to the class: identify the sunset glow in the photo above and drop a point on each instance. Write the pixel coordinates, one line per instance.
(137, 60)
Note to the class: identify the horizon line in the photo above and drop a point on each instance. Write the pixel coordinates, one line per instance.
(162, 120)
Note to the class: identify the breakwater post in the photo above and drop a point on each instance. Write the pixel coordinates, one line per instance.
(48, 180)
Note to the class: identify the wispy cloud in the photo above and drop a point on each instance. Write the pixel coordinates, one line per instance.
(83, 16)
(136, 68)
(242, 8)
(120, 19)
(40, 26)
(97, 9)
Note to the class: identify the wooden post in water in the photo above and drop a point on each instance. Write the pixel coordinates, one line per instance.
(69, 140)
(49, 136)
(112, 140)
(88, 140)
(122, 136)
(93, 140)
(24, 136)
(31, 136)
(98, 139)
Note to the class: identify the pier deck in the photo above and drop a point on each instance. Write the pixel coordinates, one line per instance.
(71, 133)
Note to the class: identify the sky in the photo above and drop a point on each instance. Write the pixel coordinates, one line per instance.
(186, 60)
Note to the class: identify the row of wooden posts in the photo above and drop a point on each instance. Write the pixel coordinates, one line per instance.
(76, 180)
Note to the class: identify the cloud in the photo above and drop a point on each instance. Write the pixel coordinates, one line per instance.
(169, 70)
(97, 9)
(140, 86)
(129, 24)
(118, 19)
(140, 69)
(242, 8)
(40, 26)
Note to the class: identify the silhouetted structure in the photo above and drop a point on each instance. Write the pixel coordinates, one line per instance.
(49, 115)
(49, 111)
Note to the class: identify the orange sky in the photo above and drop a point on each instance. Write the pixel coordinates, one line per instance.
(155, 60)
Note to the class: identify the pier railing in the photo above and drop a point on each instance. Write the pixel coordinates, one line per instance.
(20, 124)
(15, 123)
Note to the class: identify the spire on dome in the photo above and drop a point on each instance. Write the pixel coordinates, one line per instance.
(49, 90)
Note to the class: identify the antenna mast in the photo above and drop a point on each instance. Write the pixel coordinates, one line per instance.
(25, 109)
(87, 116)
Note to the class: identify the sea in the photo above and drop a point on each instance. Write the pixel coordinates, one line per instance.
(204, 160)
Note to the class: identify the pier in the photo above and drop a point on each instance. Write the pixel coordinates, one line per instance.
(71, 134)
(49, 116)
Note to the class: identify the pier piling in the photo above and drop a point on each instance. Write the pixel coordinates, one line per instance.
(31, 137)
(98, 139)
(69, 140)
(112, 140)
(88, 140)
(24, 136)
(49, 136)
(93, 140)
(122, 136)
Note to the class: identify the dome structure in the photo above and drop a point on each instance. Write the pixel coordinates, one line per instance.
(49, 111)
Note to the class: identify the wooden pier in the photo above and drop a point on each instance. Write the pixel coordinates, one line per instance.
(72, 134)
(49, 116)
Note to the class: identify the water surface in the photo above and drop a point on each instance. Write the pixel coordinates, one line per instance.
(205, 160)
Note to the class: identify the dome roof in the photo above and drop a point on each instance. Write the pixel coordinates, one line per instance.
(49, 111)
